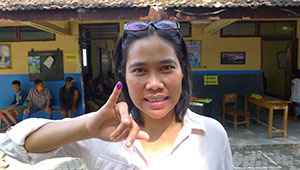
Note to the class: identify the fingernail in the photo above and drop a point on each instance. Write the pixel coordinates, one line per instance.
(128, 144)
(126, 120)
(112, 138)
(119, 85)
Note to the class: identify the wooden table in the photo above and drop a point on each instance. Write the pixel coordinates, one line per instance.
(270, 103)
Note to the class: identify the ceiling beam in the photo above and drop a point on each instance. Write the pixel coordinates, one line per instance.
(217, 25)
(46, 26)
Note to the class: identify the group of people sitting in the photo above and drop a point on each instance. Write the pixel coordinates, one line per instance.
(39, 99)
(97, 91)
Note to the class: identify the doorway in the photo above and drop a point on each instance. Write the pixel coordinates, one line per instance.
(279, 62)
(96, 46)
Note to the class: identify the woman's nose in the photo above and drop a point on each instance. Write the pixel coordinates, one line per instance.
(154, 83)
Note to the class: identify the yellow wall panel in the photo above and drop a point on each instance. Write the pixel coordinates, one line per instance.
(212, 45)
(19, 53)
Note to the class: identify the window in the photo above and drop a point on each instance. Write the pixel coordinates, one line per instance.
(84, 54)
(247, 29)
(30, 33)
(24, 34)
(242, 29)
(230, 30)
(259, 28)
(7, 34)
(185, 29)
(277, 28)
(267, 29)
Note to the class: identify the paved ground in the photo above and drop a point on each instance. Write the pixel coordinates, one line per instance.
(267, 158)
(50, 164)
(257, 135)
(251, 149)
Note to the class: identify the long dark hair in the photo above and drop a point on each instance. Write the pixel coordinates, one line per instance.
(177, 42)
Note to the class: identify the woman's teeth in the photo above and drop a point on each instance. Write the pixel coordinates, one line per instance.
(156, 100)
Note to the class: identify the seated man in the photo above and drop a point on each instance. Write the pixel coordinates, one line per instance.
(90, 93)
(101, 94)
(39, 99)
(68, 98)
(16, 107)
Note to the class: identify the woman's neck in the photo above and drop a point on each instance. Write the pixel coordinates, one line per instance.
(156, 127)
(163, 133)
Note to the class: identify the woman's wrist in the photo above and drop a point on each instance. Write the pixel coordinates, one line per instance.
(84, 132)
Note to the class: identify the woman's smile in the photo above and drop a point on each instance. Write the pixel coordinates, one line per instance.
(156, 101)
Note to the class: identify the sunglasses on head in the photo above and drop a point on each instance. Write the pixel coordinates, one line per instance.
(159, 25)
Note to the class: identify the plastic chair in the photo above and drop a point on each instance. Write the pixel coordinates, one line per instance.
(229, 107)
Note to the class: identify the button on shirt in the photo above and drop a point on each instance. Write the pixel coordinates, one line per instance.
(202, 144)
(39, 99)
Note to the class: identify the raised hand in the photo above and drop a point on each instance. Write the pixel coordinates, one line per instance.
(113, 123)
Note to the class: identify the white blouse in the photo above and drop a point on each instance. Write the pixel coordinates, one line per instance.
(202, 144)
(295, 91)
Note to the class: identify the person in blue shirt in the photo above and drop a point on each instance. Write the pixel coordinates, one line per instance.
(16, 107)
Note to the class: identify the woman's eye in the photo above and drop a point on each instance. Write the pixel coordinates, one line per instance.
(138, 70)
(166, 68)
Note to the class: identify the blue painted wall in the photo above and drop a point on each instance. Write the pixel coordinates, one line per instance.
(7, 92)
(242, 84)
(226, 72)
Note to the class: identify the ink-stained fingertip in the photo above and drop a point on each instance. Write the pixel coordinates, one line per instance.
(119, 85)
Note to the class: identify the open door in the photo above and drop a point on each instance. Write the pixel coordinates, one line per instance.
(291, 49)
(279, 61)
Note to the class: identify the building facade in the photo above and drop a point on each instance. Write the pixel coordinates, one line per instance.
(250, 46)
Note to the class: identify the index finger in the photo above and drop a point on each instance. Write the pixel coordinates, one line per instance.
(113, 98)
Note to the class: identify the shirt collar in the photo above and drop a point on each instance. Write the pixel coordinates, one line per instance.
(193, 123)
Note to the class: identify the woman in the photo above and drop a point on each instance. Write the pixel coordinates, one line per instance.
(153, 70)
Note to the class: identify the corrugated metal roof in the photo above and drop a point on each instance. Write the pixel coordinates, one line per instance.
(12, 5)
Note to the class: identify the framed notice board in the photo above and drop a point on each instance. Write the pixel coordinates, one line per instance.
(45, 65)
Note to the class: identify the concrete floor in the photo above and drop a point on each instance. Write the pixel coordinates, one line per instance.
(257, 134)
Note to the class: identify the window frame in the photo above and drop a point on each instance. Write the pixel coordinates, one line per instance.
(257, 29)
(17, 32)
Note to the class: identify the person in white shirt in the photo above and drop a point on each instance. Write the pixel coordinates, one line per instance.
(295, 95)
(151, 128)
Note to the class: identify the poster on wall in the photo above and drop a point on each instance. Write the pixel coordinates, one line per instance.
(193, 48)
(233, 57)
(34, 64)
(48, 62)
(5, 57)
(211, 80)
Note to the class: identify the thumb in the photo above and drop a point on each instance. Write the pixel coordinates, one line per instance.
(143, 135)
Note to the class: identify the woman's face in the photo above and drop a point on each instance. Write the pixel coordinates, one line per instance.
(153, 76)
